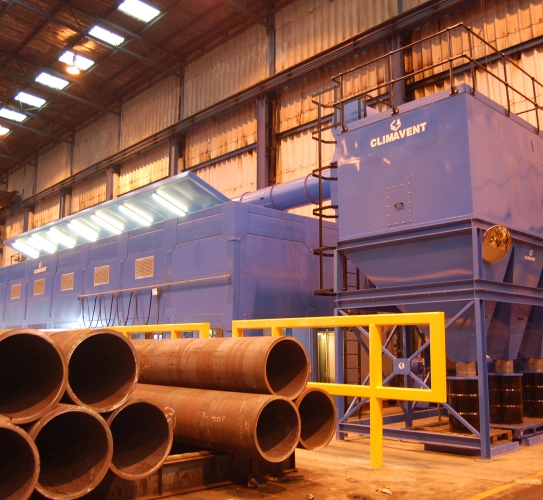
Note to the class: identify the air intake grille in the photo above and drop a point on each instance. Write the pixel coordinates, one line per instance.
(16, 291)
(145, 268)
(101, 275)
(39, 287)
(67, 282)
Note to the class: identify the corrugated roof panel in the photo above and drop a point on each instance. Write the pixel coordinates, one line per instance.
(233, 66)
(232, 177)
(53, 166)
(95, 142)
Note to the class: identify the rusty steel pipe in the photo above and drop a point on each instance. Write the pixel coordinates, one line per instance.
(318, 415)
(19, 462)
(142, 438)
(33, 375)
(102, 367)
(75, 447)
(255, 425)
(264, 365)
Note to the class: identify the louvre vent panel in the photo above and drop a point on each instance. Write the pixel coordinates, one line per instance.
(39, 287)
(145, 268)
(67, 282)
(16, 291)
(101, 275)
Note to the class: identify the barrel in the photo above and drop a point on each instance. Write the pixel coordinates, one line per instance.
(533, 394)
(463, 397)
(505, 398)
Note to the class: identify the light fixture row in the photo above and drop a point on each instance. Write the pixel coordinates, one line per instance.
(76, 62)
(67, 237)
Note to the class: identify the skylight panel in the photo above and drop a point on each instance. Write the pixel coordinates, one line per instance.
(79, 61)
(30, 99)
(51, 81)
(3, 130)
(106, 36)
(139, 10)
(12, 115)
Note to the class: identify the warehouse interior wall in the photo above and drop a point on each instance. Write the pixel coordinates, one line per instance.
(223, 151)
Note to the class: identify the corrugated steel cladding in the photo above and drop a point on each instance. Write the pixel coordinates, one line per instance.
(303, 28)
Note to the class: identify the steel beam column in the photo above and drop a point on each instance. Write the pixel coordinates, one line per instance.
(263, 107)
(112, 182)
(65, 202)
(28, 221)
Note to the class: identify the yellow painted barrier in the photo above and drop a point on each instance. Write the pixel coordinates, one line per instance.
(375, 391)
(176, 329)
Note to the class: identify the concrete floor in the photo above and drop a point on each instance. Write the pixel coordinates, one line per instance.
(342, 471)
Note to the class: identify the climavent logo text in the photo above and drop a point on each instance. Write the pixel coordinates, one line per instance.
(398, 133)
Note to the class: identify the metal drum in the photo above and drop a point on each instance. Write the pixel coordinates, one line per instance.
(505, 398)
(463, 397)
(533, 394)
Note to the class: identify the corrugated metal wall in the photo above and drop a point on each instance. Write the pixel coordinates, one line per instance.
(47, 210)
(53, 166)
(14, 226)
(150, 112)
(144, 168)
(503, 24)
(89, 192)
(221, 136)
(230, 68)
(232, 177)
(23, 180)
(95, 142)
(307, 27)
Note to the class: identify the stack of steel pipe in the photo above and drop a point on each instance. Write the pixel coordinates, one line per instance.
(65, 450)
(239, 395)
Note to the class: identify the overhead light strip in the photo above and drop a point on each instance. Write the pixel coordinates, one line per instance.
(30, 99)
(139, 10)
(77, 60)
(3, 130)
(106, 36)
(51, 81)
(12, 115)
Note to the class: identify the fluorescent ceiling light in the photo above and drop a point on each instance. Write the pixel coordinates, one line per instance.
(107, 224)
(26, 249)
(60, 237)
(139, 10)
(41, 243)
(75, 59)
(171, 203)
(106, 36)
(51, 81)
(3, 130)
(30, 99)
(12, 115)
(83, 230)
(136, 215)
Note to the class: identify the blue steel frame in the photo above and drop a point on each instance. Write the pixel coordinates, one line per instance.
(472, 293)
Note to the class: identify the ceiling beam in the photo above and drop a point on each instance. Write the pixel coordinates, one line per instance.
(84, 33)
(18, 160)
(9, 123)
(246, 13)
(61, 92)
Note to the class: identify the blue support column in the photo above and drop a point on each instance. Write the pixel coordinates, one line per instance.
(482, 374)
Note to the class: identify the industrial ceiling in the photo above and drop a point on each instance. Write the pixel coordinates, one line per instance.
(35, 34)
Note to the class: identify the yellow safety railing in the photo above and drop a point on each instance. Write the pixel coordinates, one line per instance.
(375, 391)
(175, 329)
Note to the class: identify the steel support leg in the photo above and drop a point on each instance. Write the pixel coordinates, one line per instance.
(482, 374)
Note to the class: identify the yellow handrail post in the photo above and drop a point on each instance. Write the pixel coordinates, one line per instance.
(376, 404)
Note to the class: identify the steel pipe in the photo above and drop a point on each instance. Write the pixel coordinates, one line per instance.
(318, 416)
(33, 375)
(255, 425)
(142, 439)
(263, 365)
(102, 367)
(19, 462)
(75, 447)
